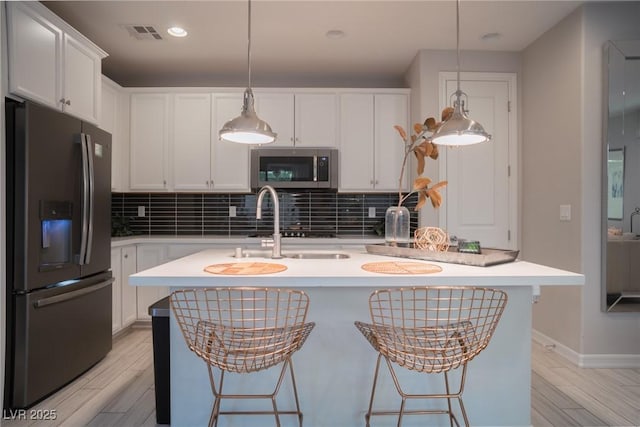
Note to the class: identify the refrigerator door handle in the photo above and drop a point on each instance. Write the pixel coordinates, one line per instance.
(71, 295)
(85, 199)
(92, 192)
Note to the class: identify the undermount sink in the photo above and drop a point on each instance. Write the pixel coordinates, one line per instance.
(317, 255)
(253, 253)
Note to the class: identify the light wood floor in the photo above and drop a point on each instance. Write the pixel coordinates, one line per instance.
(119, 391)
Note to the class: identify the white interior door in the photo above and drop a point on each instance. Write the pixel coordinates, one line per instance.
(480, 201)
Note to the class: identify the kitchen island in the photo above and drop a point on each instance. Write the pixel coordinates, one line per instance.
(334, 369)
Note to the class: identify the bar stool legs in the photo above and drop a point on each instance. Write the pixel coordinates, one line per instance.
(219, 395)
(405, 396)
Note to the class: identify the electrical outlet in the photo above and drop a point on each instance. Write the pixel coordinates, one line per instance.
(141, 211)
(372, 212)
(232, 211)
(565, 212)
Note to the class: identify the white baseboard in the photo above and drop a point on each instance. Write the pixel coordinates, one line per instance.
(610, 361)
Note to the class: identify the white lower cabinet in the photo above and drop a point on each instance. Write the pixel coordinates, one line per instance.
(123, 264)
(129, 297)
(149, 256)
(116, 291)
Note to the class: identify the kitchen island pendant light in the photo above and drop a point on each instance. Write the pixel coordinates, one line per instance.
(247, 128)
(459, 129)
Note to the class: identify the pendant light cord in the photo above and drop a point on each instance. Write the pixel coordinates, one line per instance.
(249, 44)
(458, 44)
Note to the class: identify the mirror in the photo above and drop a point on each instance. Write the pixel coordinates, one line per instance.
(621, 178)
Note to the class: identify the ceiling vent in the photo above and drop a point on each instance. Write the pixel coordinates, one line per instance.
(143, 32)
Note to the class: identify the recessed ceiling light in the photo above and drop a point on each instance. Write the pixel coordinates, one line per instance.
(490, 36)
(335, 34)
(177, 32)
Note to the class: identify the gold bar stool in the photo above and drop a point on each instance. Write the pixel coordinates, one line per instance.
(244, 330)
(430, 330)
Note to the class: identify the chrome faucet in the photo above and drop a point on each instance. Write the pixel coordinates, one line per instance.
(275, 242)
(636, 212)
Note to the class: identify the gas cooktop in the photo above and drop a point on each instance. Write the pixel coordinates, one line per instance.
(312, 234)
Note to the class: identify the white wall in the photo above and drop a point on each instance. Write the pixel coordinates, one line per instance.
(424, 72)
(562, 153)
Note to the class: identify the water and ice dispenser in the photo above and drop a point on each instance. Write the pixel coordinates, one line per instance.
(56, 234)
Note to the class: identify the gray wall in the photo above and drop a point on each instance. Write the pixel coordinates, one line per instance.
(561, 151)
(551, 171)
(602, 333)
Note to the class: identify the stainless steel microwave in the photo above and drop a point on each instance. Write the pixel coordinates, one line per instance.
(294, 167)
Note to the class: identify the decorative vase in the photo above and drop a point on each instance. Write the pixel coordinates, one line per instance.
(396, 230)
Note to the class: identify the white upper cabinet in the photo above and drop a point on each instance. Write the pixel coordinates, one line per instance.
(191, 141)
(300, 119)
(149, 141)
(371, 150)
(229, 160)
(108, 122)
(316, 120)
(390, 110)
(82, 70)
(35, 53)
(51, 63)
(277, 110)
(114, 118)
(356, 142)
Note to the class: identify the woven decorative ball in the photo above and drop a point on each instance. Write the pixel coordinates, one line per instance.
(431, 239)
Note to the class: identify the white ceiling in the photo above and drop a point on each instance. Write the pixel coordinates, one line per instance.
(288, 37)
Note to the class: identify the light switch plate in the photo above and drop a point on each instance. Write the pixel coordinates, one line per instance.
(141, 211)
(372, 212)
(565, 212)
(232, 211)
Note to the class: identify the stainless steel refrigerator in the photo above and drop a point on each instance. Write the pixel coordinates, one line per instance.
(58, 250)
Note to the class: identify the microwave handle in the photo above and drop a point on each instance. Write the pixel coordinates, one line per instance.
(315, 168)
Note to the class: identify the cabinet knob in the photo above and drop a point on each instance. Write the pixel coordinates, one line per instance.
(65, 101)
(376, 181)
(126, 256)
(371, 182)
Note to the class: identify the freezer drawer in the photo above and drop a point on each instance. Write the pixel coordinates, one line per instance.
(60, 333)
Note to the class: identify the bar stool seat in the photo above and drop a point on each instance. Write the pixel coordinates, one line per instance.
(430, 330)
(244, 330)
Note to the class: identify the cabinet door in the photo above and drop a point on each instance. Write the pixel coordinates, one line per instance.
(390, 110)
(81, 88)
(149, 256)
(277, 110)
(356, 142)
(128, 292)
(316, 120)
(116, 291)
(149, 135)
(108, 122)
(191, 142)
(229, 160)
(34, 46)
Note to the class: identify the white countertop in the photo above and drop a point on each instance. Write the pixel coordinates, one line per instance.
(304, 273)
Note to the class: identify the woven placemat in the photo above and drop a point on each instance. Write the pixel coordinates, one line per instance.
(245, 268)
(401, 267)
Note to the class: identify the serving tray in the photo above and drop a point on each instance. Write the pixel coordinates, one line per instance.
(486, 258)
